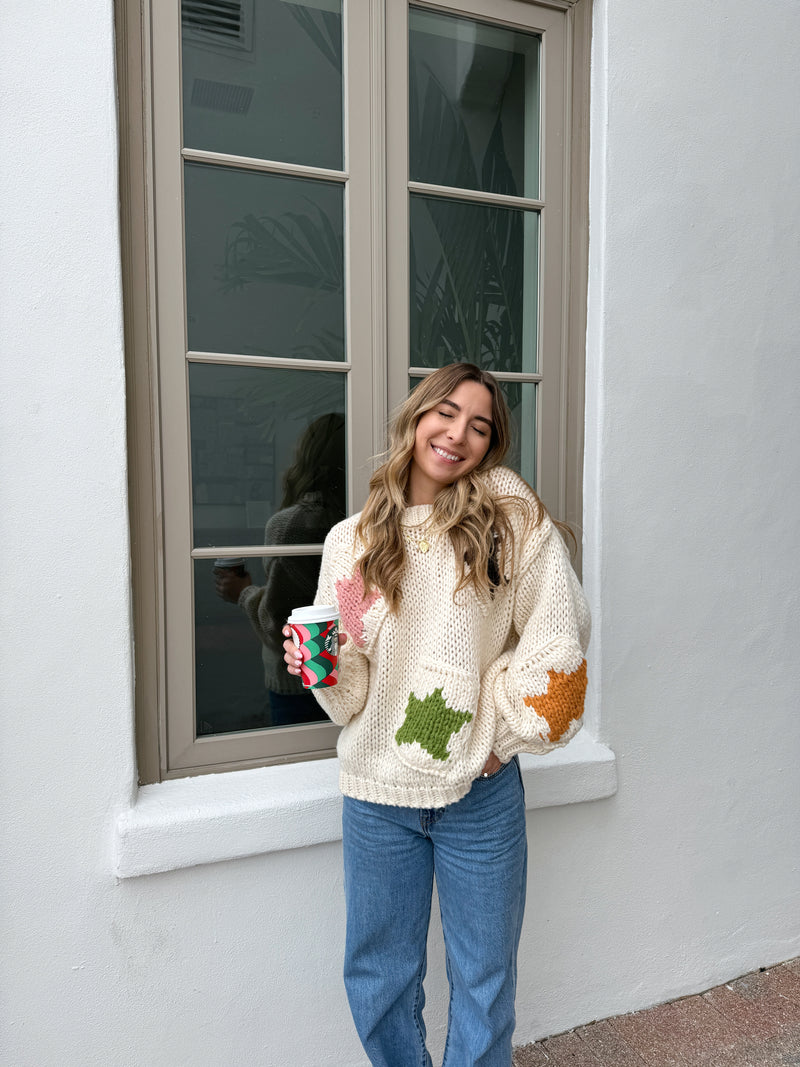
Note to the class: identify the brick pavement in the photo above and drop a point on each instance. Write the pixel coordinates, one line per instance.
(753, 1021)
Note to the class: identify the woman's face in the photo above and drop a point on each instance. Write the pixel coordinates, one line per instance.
(451, 440)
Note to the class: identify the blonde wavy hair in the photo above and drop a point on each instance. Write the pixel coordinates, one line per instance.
(478, 524)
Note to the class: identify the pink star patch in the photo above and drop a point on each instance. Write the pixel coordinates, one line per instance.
(353, 605)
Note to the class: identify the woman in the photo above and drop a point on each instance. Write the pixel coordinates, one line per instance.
(467, 632)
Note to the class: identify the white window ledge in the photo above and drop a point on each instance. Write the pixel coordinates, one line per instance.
(216, 817)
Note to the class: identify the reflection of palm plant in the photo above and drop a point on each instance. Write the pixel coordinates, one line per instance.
(466, 272)
(325, 30)
(292, 249)
(295, 249)
(468, 304)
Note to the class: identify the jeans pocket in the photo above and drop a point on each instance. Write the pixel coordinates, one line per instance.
(439, 733)
(500, 770)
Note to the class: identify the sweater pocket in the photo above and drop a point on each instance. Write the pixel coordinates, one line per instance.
(439, 734)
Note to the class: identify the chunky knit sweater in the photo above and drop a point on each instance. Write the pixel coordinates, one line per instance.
(425, 694)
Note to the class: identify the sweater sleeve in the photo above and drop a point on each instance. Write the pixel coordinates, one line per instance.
(537, 688)
(347, 698)
(289, 581)
(268, 606)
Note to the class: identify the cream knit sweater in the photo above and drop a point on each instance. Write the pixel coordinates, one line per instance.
(426, 694)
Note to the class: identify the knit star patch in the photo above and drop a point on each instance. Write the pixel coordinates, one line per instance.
(432, 723)
(563, 700)
(354, 605)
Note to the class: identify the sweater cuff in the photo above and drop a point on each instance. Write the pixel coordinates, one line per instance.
(508, 744)
(347, 698)
(250, 592)
(528, 724)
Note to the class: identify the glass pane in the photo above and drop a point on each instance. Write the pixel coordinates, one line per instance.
(240, 680)
(473, 105)
(474, 285)
(268, 454)
(264, 264)
(264, 79)
(521, 400)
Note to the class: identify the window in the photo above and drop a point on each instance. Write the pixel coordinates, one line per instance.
(322, 202)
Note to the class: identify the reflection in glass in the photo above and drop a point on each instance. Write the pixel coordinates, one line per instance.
(264, 80)
(266, 440)
(264, 264)
(240, 678)
(521, 400)
(474, 285)
(473, 105)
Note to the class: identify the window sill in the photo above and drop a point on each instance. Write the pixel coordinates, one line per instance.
(214, 817)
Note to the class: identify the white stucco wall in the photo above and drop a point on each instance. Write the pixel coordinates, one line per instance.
(689, 875)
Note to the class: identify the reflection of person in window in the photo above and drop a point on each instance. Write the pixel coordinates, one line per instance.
(313, 500)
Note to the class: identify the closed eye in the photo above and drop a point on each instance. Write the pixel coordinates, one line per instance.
(477, 429)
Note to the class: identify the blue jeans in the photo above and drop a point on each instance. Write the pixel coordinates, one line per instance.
(477, 849)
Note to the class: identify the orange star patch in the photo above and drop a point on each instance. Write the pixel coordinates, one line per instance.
(563, 700)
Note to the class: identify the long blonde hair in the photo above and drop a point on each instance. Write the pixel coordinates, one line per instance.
(477, 523)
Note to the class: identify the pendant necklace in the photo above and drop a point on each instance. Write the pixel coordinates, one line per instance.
(423, 545)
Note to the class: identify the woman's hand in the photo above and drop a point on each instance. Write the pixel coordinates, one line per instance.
(229, 584)
(292, 655)
(491, 766)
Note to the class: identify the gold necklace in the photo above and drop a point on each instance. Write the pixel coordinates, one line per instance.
(423, 545)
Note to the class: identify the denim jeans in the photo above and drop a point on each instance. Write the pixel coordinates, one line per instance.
(477, 850)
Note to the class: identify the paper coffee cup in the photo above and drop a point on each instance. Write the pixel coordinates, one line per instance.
(315, 631)
(231, 563)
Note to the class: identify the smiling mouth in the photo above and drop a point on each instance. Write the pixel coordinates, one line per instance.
(449, 456)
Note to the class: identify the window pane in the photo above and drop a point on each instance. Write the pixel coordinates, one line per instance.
(264, 264)
(474, 285)
(268, 454)
(240, 677)
(264, 79)
(473, 105)
(521, 400)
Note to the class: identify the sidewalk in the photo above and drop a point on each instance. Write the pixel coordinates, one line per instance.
(753, 1021)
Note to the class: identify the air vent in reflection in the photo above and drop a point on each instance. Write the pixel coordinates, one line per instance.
(219, 96)
(214, 18)
(219, 23)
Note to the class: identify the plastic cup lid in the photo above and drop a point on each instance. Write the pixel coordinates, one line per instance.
(314, 613)
(230, 561)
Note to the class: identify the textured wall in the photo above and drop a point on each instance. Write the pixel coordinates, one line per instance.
(690, 874)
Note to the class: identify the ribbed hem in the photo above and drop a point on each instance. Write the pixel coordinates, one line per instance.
(435, 795)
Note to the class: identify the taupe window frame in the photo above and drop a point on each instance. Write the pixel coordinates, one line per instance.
(375, 176)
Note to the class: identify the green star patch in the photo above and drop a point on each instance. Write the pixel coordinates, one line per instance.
(432, 723)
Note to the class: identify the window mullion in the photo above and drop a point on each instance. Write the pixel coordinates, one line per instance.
(475, 196)
(267, 166)
(397, 224)
(362, 273)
